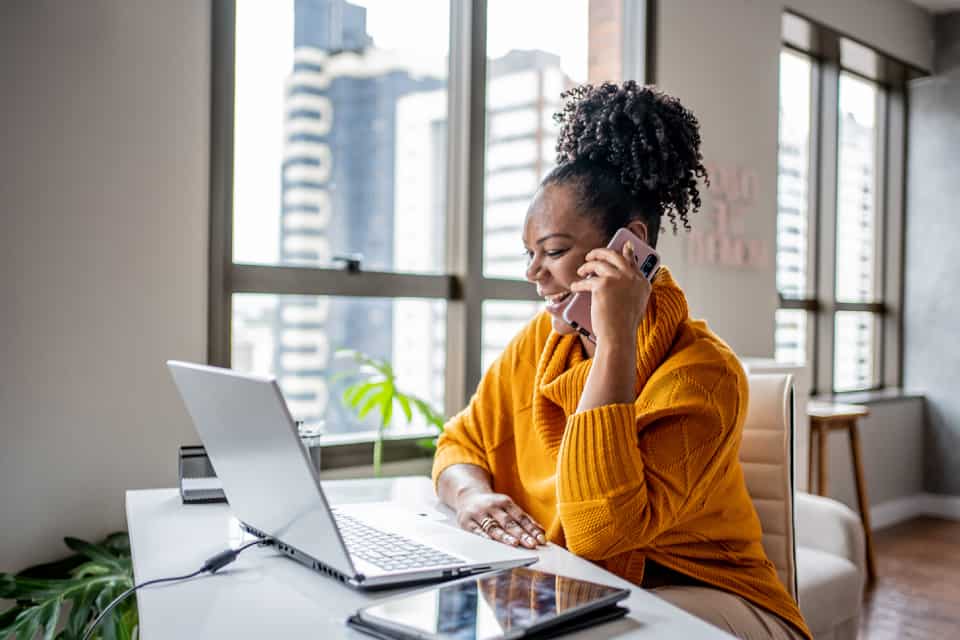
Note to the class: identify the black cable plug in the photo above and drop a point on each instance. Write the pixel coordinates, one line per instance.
(212, 565)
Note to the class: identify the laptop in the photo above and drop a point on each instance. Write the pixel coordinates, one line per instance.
(274, 491)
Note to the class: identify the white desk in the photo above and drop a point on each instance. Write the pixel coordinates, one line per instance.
(264, 595)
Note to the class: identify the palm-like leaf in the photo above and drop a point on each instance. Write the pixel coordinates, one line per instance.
(374, 386)
(87, 581)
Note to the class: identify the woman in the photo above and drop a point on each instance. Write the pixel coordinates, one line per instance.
(639, 473)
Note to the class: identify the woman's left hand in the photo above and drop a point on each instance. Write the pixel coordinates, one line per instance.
(619, 293)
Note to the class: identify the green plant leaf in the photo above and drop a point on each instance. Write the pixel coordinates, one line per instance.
(108, 626)
(405, 405)
(38, 588)
(372, 400)
(118, 542)
(7, 584)
(95, 552)
(27, 624)
(431, 416)
(386, 408)
(7, 619)
(49, 615)
(90, 569)
(81, 613)
(353, 394)
(427, 444)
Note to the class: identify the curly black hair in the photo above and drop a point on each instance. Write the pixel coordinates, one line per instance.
(631, 152)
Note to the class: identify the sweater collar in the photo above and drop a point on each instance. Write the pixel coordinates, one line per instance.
(562, 368)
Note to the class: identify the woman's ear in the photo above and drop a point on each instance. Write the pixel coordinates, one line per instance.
(639, 229)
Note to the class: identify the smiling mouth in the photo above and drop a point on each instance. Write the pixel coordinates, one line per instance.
(556, 300)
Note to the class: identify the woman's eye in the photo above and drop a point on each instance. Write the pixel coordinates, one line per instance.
(558, 252)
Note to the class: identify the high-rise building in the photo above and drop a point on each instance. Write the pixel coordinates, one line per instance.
(364, 171)
(792, 212)
(856, 233)
(339, 179)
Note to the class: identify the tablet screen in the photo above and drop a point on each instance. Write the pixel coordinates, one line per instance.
(494, 605)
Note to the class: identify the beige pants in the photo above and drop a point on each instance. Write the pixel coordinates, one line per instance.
(730, 612)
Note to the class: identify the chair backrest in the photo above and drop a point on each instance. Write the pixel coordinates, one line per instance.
(766, 455)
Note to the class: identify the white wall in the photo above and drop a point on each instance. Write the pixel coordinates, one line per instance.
(103, 197)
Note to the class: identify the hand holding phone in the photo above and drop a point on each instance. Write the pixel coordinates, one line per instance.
(578, 311)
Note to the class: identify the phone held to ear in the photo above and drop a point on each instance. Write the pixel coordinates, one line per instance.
(577, 311)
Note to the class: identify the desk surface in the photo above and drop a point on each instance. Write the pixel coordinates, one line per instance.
(266, 595)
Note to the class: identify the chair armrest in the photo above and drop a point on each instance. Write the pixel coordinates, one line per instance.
(831, 527)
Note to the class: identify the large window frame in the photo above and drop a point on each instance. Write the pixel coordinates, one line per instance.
(824, 47)
(463, 286)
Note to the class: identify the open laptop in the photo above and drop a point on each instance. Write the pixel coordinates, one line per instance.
(274, 491)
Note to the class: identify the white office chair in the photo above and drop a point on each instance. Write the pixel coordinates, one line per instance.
(766, 455)
(821, 561)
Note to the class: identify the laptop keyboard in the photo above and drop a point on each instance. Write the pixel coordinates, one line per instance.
(388, 551)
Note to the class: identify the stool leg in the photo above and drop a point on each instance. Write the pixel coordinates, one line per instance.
(862, 501)
(811, 488)
(821, 461)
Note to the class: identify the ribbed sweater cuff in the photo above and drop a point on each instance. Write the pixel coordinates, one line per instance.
(599, 457)
(451, 455)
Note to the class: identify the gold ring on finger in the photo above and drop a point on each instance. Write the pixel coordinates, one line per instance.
(487, 523)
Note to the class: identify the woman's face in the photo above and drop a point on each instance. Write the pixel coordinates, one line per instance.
(557, 238)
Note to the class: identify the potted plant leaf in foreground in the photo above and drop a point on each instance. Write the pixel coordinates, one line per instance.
(86, 581)
(373, 386)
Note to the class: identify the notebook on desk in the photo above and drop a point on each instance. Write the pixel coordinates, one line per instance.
(273, 489)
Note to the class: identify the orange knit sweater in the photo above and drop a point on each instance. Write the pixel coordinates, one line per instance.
(659, 478)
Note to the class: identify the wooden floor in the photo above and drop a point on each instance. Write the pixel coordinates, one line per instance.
(917, 593)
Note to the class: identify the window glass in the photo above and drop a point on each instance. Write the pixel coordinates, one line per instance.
(791, 336)
(793, 204)
(297, 339)
(856, 191)
(793, 184)
(340, 133)
(502, 320)
(530, 62)
(853, 365)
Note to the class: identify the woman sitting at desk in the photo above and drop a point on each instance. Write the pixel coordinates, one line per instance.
(639, 473)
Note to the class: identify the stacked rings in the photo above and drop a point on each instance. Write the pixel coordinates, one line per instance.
(487, 523)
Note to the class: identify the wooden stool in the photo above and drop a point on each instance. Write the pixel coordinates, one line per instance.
(824, 418)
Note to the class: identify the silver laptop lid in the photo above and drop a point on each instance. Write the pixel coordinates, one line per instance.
(256, 452)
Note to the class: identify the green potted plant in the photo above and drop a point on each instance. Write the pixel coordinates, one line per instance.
(86, 581)
(373, 385)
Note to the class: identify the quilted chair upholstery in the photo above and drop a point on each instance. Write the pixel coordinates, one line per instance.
(820, 559)
(766, 455)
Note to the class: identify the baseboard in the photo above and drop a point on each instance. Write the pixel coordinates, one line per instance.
(947, 507)
(892, 512)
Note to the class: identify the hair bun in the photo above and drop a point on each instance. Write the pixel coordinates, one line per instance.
(642, 135)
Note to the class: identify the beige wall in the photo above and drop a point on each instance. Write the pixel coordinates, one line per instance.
(103, 197)
(891, 446)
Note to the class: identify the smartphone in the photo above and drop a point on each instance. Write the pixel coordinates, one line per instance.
(577, 311)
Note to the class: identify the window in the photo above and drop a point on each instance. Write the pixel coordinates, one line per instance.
(840, 209)
(347, 208)
(793, 203)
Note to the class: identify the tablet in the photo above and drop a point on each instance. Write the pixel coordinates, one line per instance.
(513, 603)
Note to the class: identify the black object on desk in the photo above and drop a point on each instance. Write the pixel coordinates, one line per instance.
(198, 481)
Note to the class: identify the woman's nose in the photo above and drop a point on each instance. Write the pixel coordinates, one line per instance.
(533, 270)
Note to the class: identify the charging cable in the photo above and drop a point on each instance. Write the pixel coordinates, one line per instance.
(212, 565)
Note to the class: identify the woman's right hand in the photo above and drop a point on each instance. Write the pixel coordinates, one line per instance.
(497, 516)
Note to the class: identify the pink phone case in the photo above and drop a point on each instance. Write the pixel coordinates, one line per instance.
(577, 311)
